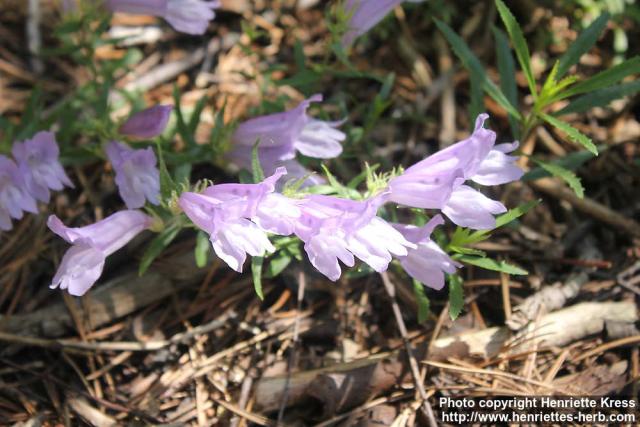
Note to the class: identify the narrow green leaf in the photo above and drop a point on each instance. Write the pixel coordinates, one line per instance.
(600, 98)
(361, 177)
(277, 265)
(603, 79)
(194, 120)
(573, 133)
(423, 301)
(491, 264)
(507, 70)
(471, 63)
(583, 43)
(181, 124)
(571, 161)
(464, 237)
(298, 55)
(202, 249)
(256, 273)
(157, 245)
(467, 251)
(166, 182)
(476, 103)
(515, 213)
(519, 44)
(256, 168)
(456, 296)
(564, 174)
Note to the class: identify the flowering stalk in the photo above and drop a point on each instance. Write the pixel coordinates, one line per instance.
(239, 218)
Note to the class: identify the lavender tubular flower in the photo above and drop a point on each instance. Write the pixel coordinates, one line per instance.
(429, 183)
(498, 168)
(137, 176)
(226, 212)
(148, 123)
(437, 181)
(39, 165)
(365, 14)
(187, 16)
(426, 263)
(14, 198)
(281, 135)
(338, 229)
(83, 263)
(470, 208)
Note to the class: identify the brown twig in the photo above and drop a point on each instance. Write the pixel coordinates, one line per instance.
(415, 372)
(296, 331)
(555, 188)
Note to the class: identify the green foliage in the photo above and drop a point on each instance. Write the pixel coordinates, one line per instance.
(456, 296)
(491, 264)
(507, 69)
(202, 249)
(564, 174)
(596, 91)
(167, 185)
(464, 237)
(571, 161)
(472, 63)
(157, 245)
(583, 43)
(600, 98)
(256, 274)
(603, 79)
(423, 301)
(519, 43)
(573, 133)
(256, 167)
(278, 263)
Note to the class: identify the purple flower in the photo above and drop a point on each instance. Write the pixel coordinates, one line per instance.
(14, 198)
(39, 165)
(437, 181)
(226, 212)
(148, 123)
(470, 208)
(69, 6)
(137, 176)
(497, 167)
(82, 264)
(338, 229)
(187, 16)
(365, 14)
(426, 263)
(281, 135)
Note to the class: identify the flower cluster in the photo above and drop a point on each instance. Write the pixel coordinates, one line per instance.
(335, 229)
(240, 217)
(35, 171)
(138, 181)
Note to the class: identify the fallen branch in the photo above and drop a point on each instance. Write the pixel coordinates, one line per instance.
(554, 188)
